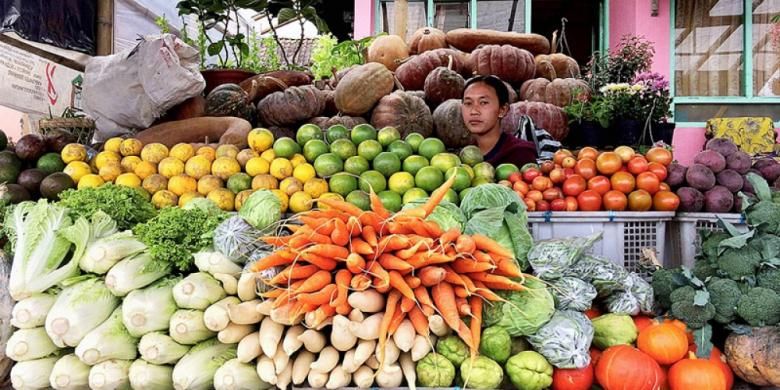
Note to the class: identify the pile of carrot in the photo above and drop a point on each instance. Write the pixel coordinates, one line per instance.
(421, 269)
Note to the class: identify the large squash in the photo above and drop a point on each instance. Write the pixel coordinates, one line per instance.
(468, 39)
(442, 84)
(556, 66)
(427, 38)
(545, 116)
(449, 125)
(347, 121)
(407, 113)
(388, 50)
(291, 106)
(413, 72)
(625, 367)
(755, 357)
(229, 100)
(509, 63)
(265, 84)
(560, 92)
(362, 87)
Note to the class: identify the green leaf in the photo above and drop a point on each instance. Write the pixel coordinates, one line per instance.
(701, 298)
(735, 242)
(761, 187)
(243, 47)
(285, 15)
(703, 339)
(728, 227)
(216, 47)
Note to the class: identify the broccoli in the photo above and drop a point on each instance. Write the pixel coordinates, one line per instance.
(684, 293)
(724, 295)
(663, 285)
(694, 316)
(769, 278)
(739, 263)
(703, 269)
(759, 307)
(710, 242)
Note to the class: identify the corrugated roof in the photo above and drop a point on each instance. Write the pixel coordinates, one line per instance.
(289, 45)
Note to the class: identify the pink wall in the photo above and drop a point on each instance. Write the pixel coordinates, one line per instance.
(10, 122)
(364, 18)
(634, 17)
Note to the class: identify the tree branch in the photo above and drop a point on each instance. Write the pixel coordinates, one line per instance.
(276, 38)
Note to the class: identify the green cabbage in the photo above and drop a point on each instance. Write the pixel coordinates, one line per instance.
(613, 329)
(262, 209)
(552, 258)
(446, 214)
(524, 312)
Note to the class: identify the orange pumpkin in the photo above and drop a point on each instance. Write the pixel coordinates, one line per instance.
(664, 342)
(682, 326)
(427, 38)
(573, 378)
(718, 357)
(700, 374)
(388, 50)
(642, 322)
(623, 367)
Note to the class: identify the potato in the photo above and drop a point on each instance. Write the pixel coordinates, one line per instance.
(730, 179)
(770, 172)
(691, 199)
(739, 161)
(718, 200)
(724, 146)
(711, 159)
(676, 174)
(700, 177)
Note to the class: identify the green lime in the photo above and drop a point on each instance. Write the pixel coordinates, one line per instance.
(369, 149)
(356, 165)
(391, 200)
(464, 192)
(314, 148)
(239, 182)
(504, 170)
(50, 163)
(428, 178)
(452, 197)
(286, 147)
(401, 148)
(362, 132)
(471, 155)
(414, 140)
(307, 133)
(462, 178)
(336, 132)
(485, 170)
(359, 199)
(387, 163)
(445, 161)
(401, 182)
(414, 194)
(328, 164)
(372, 179)
(412, 164)
(342, 183)
(388, 135)
(430, 147)
(343, 148)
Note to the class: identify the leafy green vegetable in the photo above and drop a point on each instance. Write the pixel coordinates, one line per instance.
(175, 234)
(328, 54)
(551, 259)
(125, 205)
(524, 312)
(262, 209)
(446, 214)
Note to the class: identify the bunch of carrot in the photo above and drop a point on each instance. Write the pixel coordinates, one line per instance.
(421, 269)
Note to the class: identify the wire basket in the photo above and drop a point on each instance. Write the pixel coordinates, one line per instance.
(82, 128)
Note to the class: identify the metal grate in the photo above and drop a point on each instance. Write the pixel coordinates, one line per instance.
(702, 226)
(637, 236)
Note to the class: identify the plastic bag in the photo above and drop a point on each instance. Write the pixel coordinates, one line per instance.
(573, 294)
(550, 259)
(565, 340)
(605, 276)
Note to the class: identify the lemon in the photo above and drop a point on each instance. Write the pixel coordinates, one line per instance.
(164, 198)
(260, 140)
(186, 198)
(223, 197)
(300, 202)
(283, 199)
(329, 195)
(145, 169)
(224, 167)
(269, 155)
(198, 167)
(315, 187)
(131, 147)
(182, 151)
(257, 166)
(297, 159)
(281, 168)
(208, 183)
(291, 185)
(76, 170)
(304, 172)
(90, 181)
(208, 152)
(73, 152)
(241, 198)
(113, 144)
(181, 184)
(128, 180)
(104, 158)
(129, 163)
(154, 153)
(264, 182)
(227, 150)
(245, 155)
(155, 183)
(170, 167)
(110, 171)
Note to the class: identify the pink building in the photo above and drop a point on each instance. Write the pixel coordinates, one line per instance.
(720, 55)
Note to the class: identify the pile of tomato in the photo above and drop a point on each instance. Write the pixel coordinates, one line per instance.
(619, 180)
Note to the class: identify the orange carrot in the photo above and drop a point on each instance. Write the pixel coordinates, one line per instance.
(488, 245)
(444, 298)
(465, 244)
(275, 293)
(422, 259)
(392, 303)
(369, 236)
(319, 297)
(433, 229)
(342, 206)
(397, 282)
(380, 273)
(381, 286)
(293, 272)
(482, 257)
(416, 212)
(354, 227)
(463, 306)
(276, 241)
(325, 263)
(461, 292)
(323, 213)
(344, 309)
(316, 282)
(360, 282)
(409, 252)
(343, 277)
(428, 310)
(407, 304)
(377, 206)
(312, 222)
(412, 281)
(497, 282)
(437, 196)
(272, 260)
(370, 218)
(431, 275)
(398, 318)
(449, 236)
(508, 267)
(486, 293)
(395, 228)
(321, 314)
(393, 243)
(329, 250)
(418, 229)
(361, 247)
(464, 266)
(281, 300)
(390, 262)
(419, 321)
(355, 263)
(475, 304)
(340, 234)
(421, 295)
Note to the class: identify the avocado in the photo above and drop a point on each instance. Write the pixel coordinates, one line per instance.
(31, 147)
(55, 183)
(13, 193)
(50, 163)
(8, 173)
(31, 179)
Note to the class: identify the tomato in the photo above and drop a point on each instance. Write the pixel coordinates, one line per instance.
(599, 184)
(571, 203)
(558, 205)
(615, 201)
(623, 182)
(640, 200)
(569, 162)
(560, 155)
(658, 169)
(585, 168)
(573, 378)
(637, 165)
(608, 163)
(530, 204)
(588, 152)
(547, 166)
(592, 313)
(660, 155)
(551, 194)
(514, 177)
(589, 201)
(541, 183)
(666, 201)
(558, 175)
(665, 187)
(506, 183)
(521, 187)
(569, 172)
(542, 205)
(649, 182)
(534, 195)
(531, 174)
(574, 185)
(626, 153)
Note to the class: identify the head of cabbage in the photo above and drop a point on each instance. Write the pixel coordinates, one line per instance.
(524, 312)
(262, 209)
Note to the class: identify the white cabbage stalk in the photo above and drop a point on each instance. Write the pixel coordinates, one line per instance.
(149, 309)
(197, 291)
(108, 341)
(147, 376)
(133, 273)
(159, 348)
(69, 373)
(104, 253)
(187, 327)
(110, 375)
(32, 374)
(79, 308)
(214, 262)
(31, 312)
(234, 375)
(29, 344)
(195, 371)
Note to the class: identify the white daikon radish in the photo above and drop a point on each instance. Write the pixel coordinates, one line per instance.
(369, 301)
(391, 352)
(245, 313)
(291, 343)
(438, 326)
(348, 362)
(356, 315)
(364, 350)
(327, 360)
(284, 378)
(338, 378)
(313, 340)
(216, 316)
(369, 328)
(407, 366)
(234, 333)
(270, 336)
(248, 348)
(281, 361)
(317, 379)
(301, 366)
(390, 375)
(229, 283)
(340, 336)
(422, 346)
(266, 370)
(247, 287)
(404, 336)
(363, 377)
(265, 307)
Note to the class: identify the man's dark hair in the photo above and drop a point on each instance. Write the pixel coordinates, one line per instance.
(495, 83)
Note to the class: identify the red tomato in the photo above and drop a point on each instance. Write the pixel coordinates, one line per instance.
(640, 200)
(521, 187)
(551, 194)
(569, 162)
(588, 152)
(599, 184)
(573, 378)
(589, 201)
(530, 204)
(658, 169)
(558, 175)
(659, 155)
(666, 201)
(615, 201)
(530, 175)
(571, 203)
(514, 177)
(558, 205)
(636, 165)
(642, 322)
(595, 354)
(542, 205)
(592, 313)
(608, 163)
(664, 187)
(649, 182)
(534, 195)
(585, 168)
(623, 182)
(547, 166)
(541, 183)
(560, 155)
(574, 185)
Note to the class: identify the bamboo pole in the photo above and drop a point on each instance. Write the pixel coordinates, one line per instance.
(105, 27)
(401, 16)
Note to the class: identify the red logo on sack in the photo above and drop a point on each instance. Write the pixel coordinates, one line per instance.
(51, 90)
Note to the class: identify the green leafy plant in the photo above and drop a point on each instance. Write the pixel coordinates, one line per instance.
(330, 56)
(633, 54)
(162, 23)
(597, 110)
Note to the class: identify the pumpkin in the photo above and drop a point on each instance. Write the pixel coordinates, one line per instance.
(330, 102)
(623, 367)
(442, 84)
(280, 132)
(682, 326)
(337, 76)
(642, 322)
(664, 342)
(347, 121)
(545, 116)
(413, 72)
(407, 113)
(265, 84)
(229, 100)
(449, 126)
(556, 65)
(573, 378)
(468, 39)
(755, 357)
(513, 96)
(717, 357)
(693, 373)
(560, 92)
(509, 63)
(291, 106)
(427, 38)
(362, 87)
(388, 50)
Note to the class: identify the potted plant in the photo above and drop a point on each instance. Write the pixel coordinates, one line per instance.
(589, 120)
(655, 101)
(627, 122)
